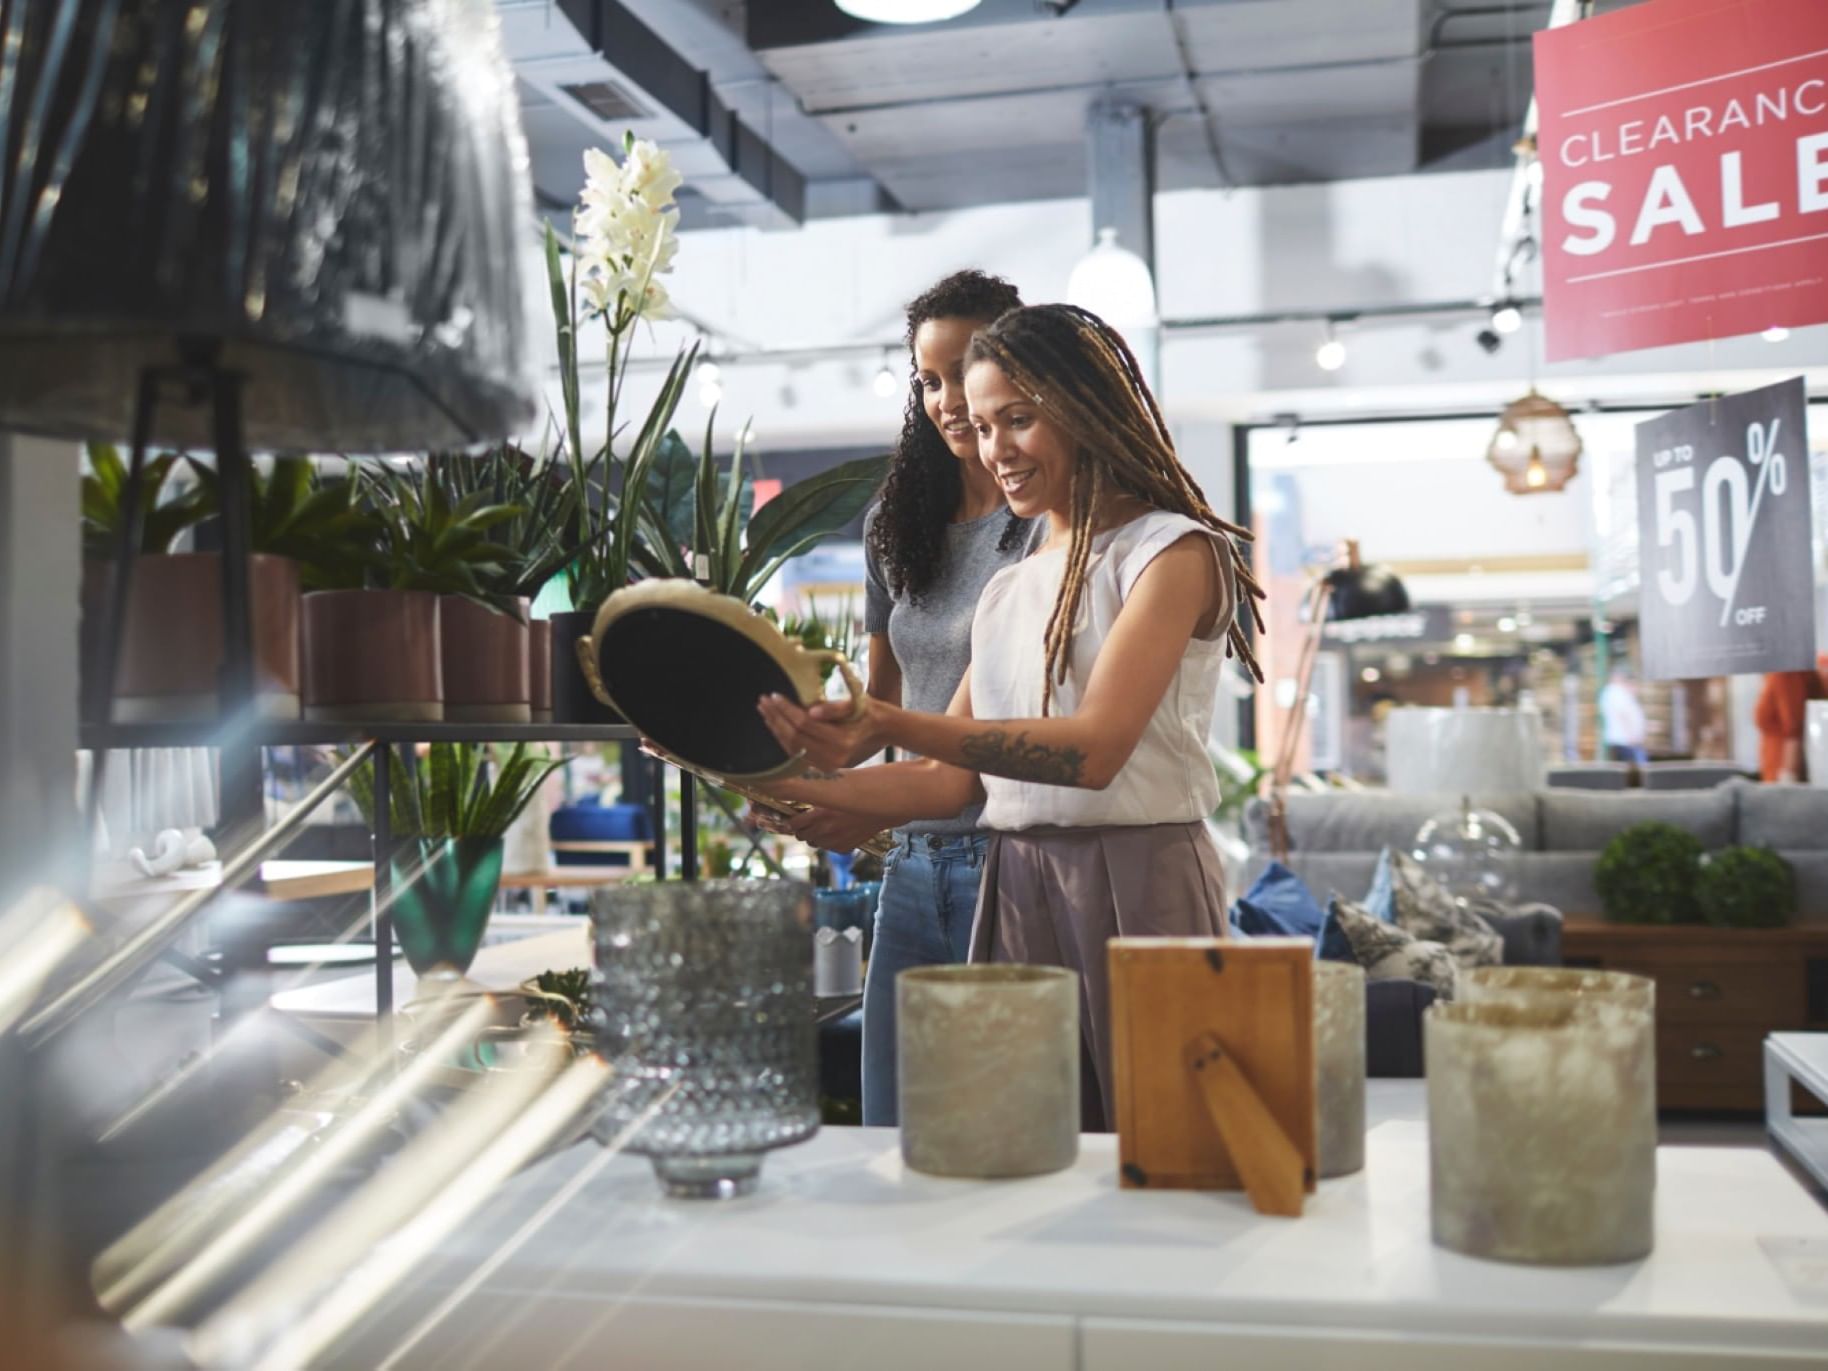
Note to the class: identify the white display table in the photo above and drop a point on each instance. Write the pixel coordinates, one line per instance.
(1801, 1058)
(843, 1259)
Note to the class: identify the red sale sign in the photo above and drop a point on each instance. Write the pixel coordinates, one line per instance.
(1684, 149)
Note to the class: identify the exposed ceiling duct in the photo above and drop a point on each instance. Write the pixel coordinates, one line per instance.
(589, 70)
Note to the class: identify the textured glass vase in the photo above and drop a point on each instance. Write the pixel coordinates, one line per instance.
(443, 893)
(1339, 1066)
(1542, 1128)
(703, 996)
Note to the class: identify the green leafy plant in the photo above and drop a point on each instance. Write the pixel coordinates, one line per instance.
(563, 996)
(1240, 772)
(456, 790)
(534, 542)
(429, 542)
(295, 511)
(1746, 887)
(1648, 873)
(104, 492)
(714, 538)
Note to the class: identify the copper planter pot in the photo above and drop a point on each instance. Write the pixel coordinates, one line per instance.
(373, 656)
(170, 659)
(539, 669)
(487, 676)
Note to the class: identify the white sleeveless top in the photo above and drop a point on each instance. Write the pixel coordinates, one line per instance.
(1169, 777)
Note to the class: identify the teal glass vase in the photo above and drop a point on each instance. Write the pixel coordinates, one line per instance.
(443, 893)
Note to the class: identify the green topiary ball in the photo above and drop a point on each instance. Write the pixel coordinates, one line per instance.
(1746, 887)
(1647, 875)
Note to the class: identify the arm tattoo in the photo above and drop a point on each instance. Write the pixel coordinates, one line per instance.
(995, 753)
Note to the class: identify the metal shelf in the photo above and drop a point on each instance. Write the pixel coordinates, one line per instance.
(212, 733)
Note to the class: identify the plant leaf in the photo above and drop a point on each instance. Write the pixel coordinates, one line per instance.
(802, 515)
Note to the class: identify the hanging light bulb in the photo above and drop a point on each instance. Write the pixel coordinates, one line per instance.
(1776, 333)
(1115, 284)
(1536, 475)
(886, 383)
(1507, 318)
(710, 393)
(709, 373)
(1331, 354)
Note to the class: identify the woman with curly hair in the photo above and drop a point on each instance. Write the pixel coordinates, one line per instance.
(1083, 717)
(939, 532)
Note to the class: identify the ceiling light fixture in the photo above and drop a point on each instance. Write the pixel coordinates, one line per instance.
(1536, 448)
(885, 383)
(906, 11)
(1115, 284)
(1331, 354)
(1506, 317)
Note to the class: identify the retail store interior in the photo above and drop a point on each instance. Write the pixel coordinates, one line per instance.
(830, 683)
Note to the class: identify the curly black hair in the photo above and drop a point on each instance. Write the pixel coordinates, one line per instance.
(923, 486)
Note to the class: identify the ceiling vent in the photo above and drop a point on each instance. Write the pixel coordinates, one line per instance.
(607, 101)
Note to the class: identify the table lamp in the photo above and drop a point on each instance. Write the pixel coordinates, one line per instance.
(1351, 591)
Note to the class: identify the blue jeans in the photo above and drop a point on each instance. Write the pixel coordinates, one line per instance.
(929, 895)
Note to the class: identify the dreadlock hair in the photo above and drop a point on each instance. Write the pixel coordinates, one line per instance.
(1086, 380)
(923, 487)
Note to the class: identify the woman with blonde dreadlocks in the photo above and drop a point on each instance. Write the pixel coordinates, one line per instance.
(1083, 718)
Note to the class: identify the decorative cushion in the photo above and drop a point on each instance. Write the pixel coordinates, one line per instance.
(1279, 905)
(1422, 907)
(1380, 899)
(1586, 820)
(1389, 953)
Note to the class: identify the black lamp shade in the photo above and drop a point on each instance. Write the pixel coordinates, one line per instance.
(328, 196)
(1363, 592)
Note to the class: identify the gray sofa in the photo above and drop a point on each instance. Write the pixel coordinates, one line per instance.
(1335, 838)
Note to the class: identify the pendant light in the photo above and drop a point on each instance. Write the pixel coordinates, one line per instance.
(1536, 448)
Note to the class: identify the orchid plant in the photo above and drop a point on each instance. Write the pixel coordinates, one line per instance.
(625, 236)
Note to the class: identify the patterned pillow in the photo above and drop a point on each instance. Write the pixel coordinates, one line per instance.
(1390, 953)
(1421, 906)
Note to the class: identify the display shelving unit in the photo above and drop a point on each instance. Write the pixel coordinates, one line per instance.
(385, 736)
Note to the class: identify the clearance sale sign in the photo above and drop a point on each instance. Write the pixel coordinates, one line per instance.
(1684, 149)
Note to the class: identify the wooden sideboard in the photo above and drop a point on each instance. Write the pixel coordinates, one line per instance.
(1719, 992)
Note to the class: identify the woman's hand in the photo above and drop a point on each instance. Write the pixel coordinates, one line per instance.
(833, 829)
(825, 733)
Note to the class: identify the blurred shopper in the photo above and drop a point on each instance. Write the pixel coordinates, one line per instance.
(1780, 716)
(1095, 667)
(1622, 726)
(941, 530)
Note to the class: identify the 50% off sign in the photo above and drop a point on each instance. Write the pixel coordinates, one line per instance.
(1724, 537)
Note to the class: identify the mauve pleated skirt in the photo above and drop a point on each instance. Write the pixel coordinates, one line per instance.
(1055, 896)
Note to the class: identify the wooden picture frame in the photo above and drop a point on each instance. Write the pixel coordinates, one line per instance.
(1213, 1050)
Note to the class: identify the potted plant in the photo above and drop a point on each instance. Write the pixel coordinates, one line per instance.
(1648, 874)
(1746, 887)
(373, 649)
(731, 550)
(534, 548)
(447, 814)
(171, 649)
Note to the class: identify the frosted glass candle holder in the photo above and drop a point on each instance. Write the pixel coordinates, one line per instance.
(1514, 982)
(1542, 1128)
(988, 1061)
(1339, 1066)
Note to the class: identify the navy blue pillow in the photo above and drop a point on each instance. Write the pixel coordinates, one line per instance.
(1279, 905)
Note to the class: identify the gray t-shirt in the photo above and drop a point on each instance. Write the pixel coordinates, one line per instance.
(932, 637)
